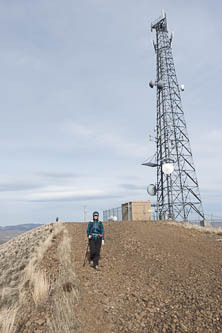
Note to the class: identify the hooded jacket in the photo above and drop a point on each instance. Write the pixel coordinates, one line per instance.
(95, 228)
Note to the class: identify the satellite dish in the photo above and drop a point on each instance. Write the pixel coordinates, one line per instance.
(160, 84)
(151, 84)
(167, 168)
(151, 190)
(113, 218)
(182, 87)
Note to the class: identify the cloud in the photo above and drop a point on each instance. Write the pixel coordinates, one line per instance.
(14, 187)
(68, 194)
(107, 138)
(207, 152)
(83, 198)
(60, 193)
(59, 175)
(132, 187)
(209, 142)
(78, 109)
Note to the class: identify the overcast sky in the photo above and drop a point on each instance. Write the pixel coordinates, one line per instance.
(76, 108)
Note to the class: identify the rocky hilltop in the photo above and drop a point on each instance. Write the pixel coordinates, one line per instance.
(153, 277)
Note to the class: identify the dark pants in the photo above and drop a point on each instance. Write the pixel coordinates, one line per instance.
(95, 245)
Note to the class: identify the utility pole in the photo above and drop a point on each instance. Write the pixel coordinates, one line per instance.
(84, 213)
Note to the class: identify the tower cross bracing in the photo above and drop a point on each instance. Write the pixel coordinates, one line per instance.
(178, 195)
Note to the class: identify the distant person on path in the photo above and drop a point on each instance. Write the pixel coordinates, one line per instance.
(95, 233)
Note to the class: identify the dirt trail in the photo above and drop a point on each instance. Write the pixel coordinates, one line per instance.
(153, 278)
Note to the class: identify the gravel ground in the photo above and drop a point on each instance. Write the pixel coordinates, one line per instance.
(153, 277)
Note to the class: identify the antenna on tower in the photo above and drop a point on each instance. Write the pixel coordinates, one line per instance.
(176, 188)
(163, 13)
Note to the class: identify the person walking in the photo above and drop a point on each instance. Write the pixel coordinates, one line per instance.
(95, 234)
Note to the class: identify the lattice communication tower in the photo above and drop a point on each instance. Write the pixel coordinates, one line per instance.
(176, 189)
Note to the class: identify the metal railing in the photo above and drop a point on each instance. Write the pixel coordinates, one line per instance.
(141, 212)
(214, 221)
(113, 214)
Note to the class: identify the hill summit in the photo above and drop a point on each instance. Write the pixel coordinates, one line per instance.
(153, 277)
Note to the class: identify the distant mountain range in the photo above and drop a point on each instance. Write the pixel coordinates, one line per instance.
(21, 227)
(10, 231)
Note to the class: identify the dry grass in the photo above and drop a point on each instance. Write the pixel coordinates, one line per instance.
(4, 293)
(33, 284)
(41, 288)
(217, 231)
(43, 248)
(7, 319)
(15, 255)
(58, 227)
(30, 269)
(37, 280)
(63, 319)
(20, 258)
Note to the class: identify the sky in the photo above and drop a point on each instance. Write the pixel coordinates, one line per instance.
(77, 110)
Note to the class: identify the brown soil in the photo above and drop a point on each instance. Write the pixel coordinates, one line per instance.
(153, 278)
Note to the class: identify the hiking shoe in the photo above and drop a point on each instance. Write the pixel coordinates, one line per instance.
(96, 268)
(91, 263)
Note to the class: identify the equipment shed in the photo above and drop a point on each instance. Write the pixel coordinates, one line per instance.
(136, 211)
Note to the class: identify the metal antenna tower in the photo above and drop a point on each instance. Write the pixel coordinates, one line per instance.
(177, 191)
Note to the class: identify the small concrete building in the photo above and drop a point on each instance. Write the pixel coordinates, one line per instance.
(136, 211)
